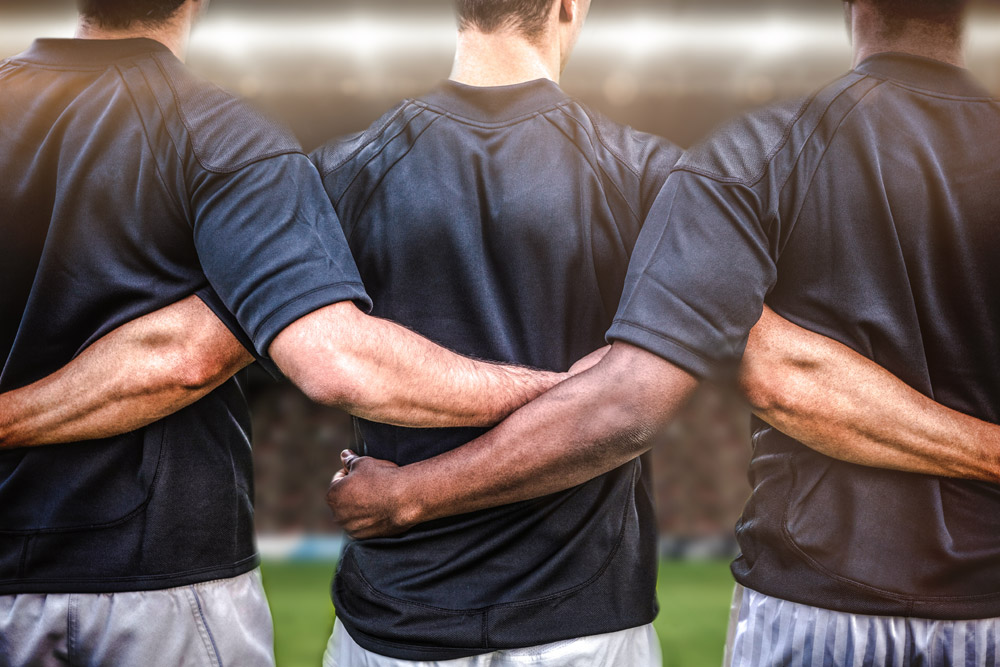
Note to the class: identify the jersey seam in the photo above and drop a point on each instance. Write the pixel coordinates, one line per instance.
(819, 124)
(149, 142)
(786, 533)
(603, 142)
(187, 126)
(378, 135)
(381, 150)
(371, 195)
(598, 170)
(141, 507)
(932, 93)
(496, 125)
(819, 163)
(755, 179)
(177, 149)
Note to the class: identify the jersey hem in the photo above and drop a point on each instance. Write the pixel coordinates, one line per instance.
(129, 584)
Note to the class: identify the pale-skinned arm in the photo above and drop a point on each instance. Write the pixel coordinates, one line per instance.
(137, 374)
(165, 361)
(378, 370)
(844, 405)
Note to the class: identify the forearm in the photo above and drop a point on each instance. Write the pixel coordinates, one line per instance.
(137, 374)
(843, 405)
(585, 427)
(380, 371)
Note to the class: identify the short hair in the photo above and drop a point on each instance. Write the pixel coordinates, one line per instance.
(126, 13)
(896, 14)
(527, 16)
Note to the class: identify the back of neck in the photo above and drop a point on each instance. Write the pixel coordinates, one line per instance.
(917, 38)
(173, 35)
(504, 58)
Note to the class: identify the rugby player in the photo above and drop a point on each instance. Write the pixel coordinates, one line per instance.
(867, 213)
(496, 215)
(791, 351)
(129, 185)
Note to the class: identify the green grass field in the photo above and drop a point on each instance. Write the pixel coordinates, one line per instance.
(694, 601)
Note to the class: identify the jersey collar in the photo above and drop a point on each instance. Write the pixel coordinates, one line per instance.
(88, 52)
(923, 73)
(496, 104)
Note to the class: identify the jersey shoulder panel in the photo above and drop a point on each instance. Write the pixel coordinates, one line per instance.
(340, 150)
(641, 150)
(636, 162)
(226, 132)
(343, 161)
(742, 150)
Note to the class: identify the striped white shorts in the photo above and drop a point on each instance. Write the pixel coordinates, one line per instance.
(768, 632)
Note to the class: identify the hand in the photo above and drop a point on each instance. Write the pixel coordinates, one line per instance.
(589, 361)
(365, 500)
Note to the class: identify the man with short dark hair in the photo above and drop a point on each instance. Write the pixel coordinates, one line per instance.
(867, 213)
(130, 185)
(495, 215)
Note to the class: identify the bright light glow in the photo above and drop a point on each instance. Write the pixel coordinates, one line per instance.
(630, 38)
(362, 38)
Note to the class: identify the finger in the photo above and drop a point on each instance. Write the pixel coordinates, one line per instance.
(339, 476)
(350, 459)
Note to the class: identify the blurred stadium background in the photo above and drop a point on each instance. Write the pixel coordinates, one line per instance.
(673, 67)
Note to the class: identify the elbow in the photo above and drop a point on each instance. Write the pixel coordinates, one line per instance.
(768, 391)
(189, 371)
(334, 384)
(200, 375)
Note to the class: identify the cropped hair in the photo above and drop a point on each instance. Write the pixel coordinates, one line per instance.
(126, 13)
(896, 14)
(526, 16)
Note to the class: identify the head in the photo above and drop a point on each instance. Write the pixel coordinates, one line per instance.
(935, 23)
(542, 22)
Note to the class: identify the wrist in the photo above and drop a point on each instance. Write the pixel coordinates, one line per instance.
(409, 505)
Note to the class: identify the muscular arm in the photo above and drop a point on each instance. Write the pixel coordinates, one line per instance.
(139, 373)
(380, 371)
(843, 405)
(588, 425)
(808, 386)
(167, 360)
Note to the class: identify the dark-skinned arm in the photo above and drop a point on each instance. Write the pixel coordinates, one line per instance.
(137, 374)
(586, 426)
(844, 405)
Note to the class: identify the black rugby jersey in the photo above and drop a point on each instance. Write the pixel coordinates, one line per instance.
(499, 223)
(129, 184)
(868, 213)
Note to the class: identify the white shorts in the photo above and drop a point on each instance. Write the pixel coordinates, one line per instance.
(638, 647)
(224, 623)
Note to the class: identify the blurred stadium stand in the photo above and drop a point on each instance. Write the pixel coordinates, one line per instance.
(673, 67)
